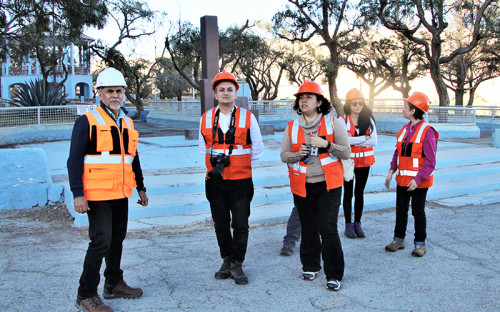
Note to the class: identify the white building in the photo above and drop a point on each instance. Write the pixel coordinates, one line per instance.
(76, 60)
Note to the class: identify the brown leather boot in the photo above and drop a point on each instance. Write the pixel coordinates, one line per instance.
(394, 246)
(121, 290)
(92, 304)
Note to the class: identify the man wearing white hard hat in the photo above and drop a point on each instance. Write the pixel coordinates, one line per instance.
(103, 168)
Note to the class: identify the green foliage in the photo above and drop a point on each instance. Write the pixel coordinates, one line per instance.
(40, 93)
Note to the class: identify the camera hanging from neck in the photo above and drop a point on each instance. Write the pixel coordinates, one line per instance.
(229, 136)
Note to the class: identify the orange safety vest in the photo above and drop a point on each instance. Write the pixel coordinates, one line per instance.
(107, 165)
(411, 156)
(362, 156)
(331, 165)
(240, 166)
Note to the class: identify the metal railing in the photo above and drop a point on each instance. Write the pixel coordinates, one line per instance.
(487, 111)
(435, 115)
(283, 109)
(37, 115)
(173, 107)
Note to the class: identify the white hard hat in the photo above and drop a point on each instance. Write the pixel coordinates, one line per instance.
(110, 77)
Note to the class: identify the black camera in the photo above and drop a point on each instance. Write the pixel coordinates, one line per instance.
(305, 159)
(218, 163)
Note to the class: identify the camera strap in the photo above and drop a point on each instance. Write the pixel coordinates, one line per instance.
(229, 137)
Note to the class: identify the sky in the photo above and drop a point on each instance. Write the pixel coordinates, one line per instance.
(228, 12)
(236, 12)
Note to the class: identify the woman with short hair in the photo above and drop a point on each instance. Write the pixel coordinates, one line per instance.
(415, 161)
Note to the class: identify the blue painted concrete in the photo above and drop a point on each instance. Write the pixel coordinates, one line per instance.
(25, 179)
(496, 138)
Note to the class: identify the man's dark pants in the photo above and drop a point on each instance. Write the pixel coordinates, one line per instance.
(230, 207)
(107, 230)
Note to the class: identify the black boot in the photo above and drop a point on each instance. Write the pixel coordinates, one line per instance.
(224, 270)
(237, 273)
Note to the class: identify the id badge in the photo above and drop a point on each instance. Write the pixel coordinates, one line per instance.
(314, 151)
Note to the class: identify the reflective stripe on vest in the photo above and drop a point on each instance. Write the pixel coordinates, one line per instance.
(239, 151)
(410, 173)
(105, 158)
(362, 154)
(297, 167)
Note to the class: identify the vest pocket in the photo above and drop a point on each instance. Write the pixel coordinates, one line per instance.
(133, 140)
(99, 178)
(297, 183)
(104, 138)
(129, 178)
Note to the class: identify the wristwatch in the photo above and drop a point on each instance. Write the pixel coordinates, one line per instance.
(329, 145)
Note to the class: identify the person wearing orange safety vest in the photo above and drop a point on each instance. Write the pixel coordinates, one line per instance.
(312, 147)
(103, 168)
(415, 161)
(360, 126)
(231, 142)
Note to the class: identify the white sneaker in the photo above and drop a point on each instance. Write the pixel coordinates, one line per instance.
(309, 275)
(333, 285)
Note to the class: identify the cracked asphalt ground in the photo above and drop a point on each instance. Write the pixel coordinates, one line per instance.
(41, 256)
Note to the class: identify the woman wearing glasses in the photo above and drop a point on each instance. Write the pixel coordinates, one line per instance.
(312, 146)
(360, 126)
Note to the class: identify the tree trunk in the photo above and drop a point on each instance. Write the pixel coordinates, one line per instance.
(459, 97)
(442, 90)
(371, 94)
(472, 92)
(137, 103)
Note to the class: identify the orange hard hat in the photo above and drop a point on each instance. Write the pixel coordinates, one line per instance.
(309, 87)
(420, 100)
(354, 94)
(225, 76)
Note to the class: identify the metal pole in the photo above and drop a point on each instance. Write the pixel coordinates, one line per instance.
(209, 60)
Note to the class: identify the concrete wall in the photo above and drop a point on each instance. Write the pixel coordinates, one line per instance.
(25, 179)
(31, 134)
(488, 124)
(496, 138)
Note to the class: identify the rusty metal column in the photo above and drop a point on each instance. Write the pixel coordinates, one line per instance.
(209, 60)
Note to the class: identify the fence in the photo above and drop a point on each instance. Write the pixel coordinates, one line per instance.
(435, 115)
(23, 116)
(39, 115)
(173, 107)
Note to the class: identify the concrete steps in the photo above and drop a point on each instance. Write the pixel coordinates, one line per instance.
(273, 200)
(174, 175)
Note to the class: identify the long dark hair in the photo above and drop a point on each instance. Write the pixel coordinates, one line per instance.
(365, 117)
(323, 109)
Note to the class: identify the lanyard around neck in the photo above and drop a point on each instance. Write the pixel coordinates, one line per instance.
(230, 132)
